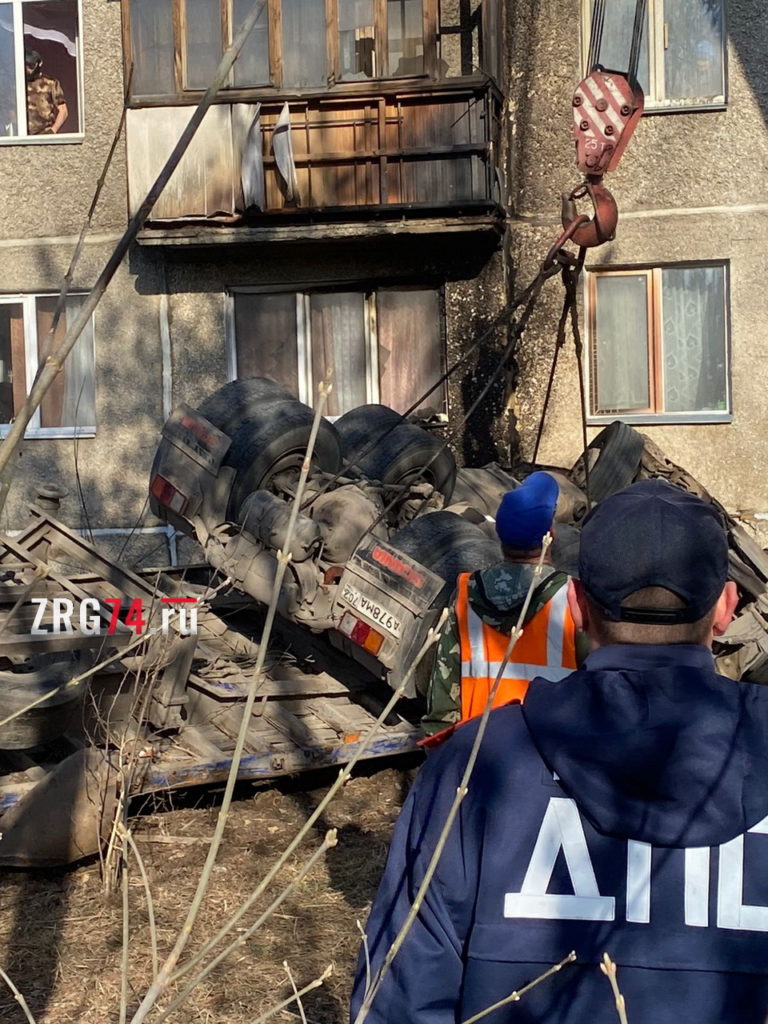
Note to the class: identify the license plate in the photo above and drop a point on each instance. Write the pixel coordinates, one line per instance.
(373, 610)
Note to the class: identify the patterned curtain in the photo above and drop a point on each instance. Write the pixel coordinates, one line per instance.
(337, 327)
(693, 305)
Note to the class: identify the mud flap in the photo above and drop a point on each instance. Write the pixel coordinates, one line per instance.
(65, 817)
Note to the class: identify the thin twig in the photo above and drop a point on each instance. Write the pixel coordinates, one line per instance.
(461, 792)
(126, 940)
(18, 996)
(341, 779)
(160, 983)
(126, 833)
(296, 994)
(515, 996)
(302, 992)
(366, 953)
(609, 969)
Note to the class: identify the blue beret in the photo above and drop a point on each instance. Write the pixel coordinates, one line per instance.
(526, 513)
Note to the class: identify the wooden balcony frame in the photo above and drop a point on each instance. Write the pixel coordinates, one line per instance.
(385, 167)
(335, 82)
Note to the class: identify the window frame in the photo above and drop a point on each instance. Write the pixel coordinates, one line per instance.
(61, 139)
(303, 293)
(654, 273)
(28, 302)
(334, 80)
(654, 101)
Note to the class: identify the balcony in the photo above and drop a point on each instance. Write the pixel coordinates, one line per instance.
(419, 154)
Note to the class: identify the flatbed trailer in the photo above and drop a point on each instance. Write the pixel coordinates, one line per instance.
(135, 733)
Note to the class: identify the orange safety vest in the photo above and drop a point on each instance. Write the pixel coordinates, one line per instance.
(546, 648)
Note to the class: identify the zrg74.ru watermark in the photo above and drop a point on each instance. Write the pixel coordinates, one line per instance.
(60, 615)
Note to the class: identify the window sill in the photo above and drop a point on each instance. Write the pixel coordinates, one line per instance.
(69, 138)
(685, 108)
(658, 419)
(52, 433)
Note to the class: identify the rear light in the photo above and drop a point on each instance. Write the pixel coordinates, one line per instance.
(361, 633)
(168, 495)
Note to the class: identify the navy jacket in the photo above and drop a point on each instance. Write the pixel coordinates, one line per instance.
(622, 810)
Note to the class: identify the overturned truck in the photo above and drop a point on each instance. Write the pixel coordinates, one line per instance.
(129, 701)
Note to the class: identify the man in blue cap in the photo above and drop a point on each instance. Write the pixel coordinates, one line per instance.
(486, 609)
(622, 810)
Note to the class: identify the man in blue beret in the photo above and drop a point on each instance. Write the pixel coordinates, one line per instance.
(487, 607)
(622, 810)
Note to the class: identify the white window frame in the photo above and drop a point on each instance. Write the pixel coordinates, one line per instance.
(60, 139)
(303, 347)
(654, 100)
(654, 327)
(28, 301)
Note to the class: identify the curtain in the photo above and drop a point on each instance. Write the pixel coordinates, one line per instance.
(252, 66)
(693, 316)
(620, 345)
(304, 63)
(203, 42)
(337, 328)
(8, 113)
(265, 337)
(152, 52)
(71, 400)
(693, 58)
(410, 352)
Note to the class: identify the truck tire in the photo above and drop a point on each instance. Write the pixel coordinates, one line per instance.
(613, 459)
(383, 446)
(448, 545)
(239, 400)
(276, 440)
(47, 720)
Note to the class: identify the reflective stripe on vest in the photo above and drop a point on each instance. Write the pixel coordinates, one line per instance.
(546, 648)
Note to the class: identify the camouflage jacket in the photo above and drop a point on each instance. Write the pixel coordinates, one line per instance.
(44, 97)
(496, 595)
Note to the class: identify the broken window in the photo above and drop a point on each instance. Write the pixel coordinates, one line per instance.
(658, 344)
(176, 45)
(39, 69)
(382, 346)
(682, 60)
(69, 405)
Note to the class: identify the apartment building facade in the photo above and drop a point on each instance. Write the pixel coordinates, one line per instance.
(374, 182)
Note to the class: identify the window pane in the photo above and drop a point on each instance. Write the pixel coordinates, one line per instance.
(12, 362)
(203, 42)
(620, 346)
(71, 400)
(693, 311)
(265, 338)
(406, 37)
(693, 59)
(304, 64)
(152, 38)
(356, 39)
(337, 327)
(8, 115)
(617, 40)
(410, 353)
(51, 33)
(252, 66)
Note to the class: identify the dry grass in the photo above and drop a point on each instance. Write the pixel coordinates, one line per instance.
(60, 941)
